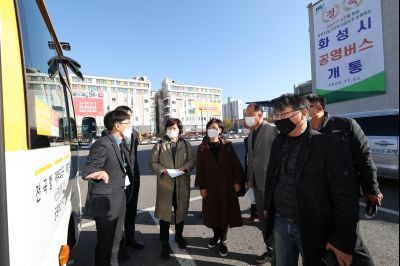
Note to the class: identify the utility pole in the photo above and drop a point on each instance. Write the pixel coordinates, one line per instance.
(201, 113)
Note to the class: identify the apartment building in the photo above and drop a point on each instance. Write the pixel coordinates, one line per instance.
(194, 105)
(95, 96)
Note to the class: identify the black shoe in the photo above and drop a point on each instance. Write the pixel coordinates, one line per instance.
(223, 249)
(165, 250)
(182, 243)
(136, 244)
(213, 242)
(266, 257)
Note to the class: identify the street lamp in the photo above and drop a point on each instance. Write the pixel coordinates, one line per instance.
(201, 118)
(201, 114)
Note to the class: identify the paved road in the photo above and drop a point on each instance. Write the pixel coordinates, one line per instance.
(380, 234)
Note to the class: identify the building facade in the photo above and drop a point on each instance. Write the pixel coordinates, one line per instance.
(233, 111)
(194, 105)
(95, 96)
(304, 88)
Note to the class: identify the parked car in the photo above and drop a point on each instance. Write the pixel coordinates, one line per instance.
(154, 140)
(382, 130)
(145, 141)
(199, 137)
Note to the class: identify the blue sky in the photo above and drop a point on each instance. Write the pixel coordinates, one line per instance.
(252, 49)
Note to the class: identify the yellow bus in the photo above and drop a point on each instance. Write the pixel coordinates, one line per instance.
(39, 194)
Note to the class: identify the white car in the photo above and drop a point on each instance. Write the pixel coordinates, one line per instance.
(382, 131)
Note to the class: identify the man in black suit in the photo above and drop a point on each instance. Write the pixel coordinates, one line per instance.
(107, 171)
(132, 191)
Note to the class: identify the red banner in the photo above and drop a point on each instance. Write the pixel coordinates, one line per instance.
(88, 106)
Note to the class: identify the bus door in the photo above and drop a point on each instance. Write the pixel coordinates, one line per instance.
(39, 177)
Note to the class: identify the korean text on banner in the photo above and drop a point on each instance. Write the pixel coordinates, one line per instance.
(348, 44)
(88, 106)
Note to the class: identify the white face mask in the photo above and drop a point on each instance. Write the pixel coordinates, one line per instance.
(212, 133)
(250, 121)
(127, 134)
(246, 131)
(172, 134)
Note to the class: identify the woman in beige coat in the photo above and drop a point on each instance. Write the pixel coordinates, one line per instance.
(172, 152)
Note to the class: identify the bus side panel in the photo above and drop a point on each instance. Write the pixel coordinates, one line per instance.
(12, 80)
(40, 203)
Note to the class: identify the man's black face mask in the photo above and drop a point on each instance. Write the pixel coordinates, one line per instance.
(285, 126)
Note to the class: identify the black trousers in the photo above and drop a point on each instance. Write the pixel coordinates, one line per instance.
(222, 234)
(130, 218)
(131, 212)
(109, 235)
(164, 225)
(164, 230)
(361, 256)
(253, 210)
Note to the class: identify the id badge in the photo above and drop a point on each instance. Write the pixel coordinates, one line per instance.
(127, 183)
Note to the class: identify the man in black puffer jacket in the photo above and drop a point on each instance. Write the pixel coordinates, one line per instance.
(350, 132)
(311, 202)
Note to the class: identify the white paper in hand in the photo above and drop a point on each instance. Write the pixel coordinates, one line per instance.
(250, 196)
(175, 173)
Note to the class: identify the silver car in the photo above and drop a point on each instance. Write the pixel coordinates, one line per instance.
(382, 130)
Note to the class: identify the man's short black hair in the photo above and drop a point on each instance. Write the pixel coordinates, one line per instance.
(257, 107)
(314, 98)
(124, 108)
(174, 121)
(297, 102)
(113, 117)
(219, 123)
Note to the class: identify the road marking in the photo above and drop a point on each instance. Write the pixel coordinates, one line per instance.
(181, 255)
(382, 209)
(151, 209)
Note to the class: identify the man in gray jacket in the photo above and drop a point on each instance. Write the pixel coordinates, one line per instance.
(259, 147)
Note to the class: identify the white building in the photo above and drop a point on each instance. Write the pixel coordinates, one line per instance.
(193, 105)
(233, 111)
(152, 108)
(95, 96)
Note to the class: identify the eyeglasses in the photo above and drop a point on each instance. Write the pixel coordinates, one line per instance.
(125, 123)
(277, 116)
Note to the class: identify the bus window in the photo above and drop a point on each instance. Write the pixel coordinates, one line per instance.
(45, 96)
(72, 130)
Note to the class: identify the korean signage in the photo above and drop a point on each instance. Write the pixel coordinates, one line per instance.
(47, 123)
(208, 108)
(88, 106)
(348, 45)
